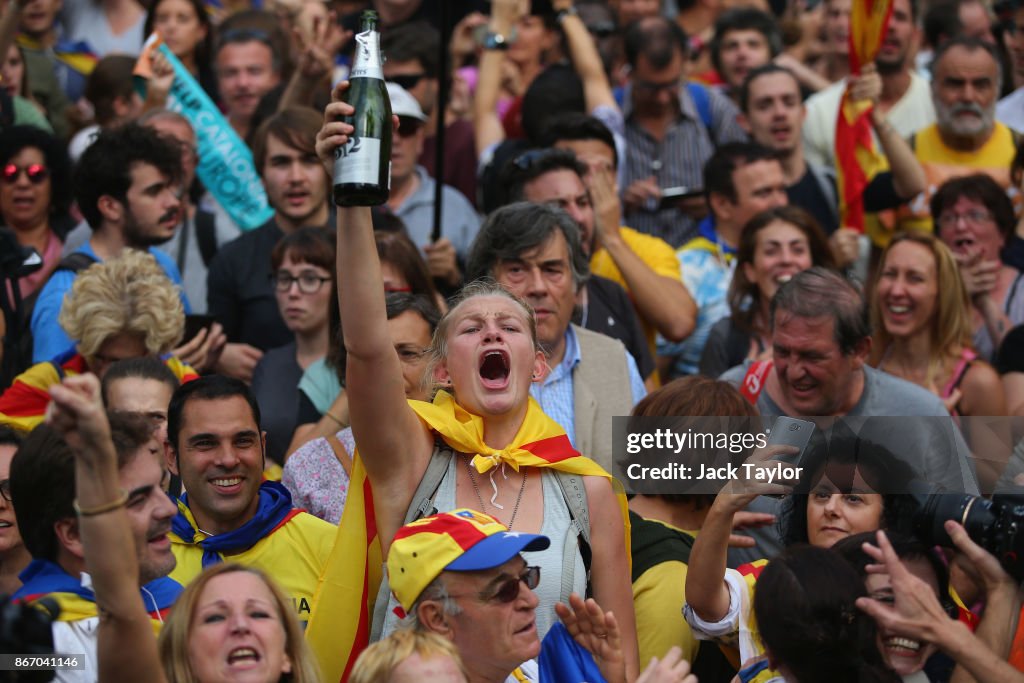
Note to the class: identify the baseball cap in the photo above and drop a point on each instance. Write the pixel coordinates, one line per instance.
(462, 540)
(404, 104)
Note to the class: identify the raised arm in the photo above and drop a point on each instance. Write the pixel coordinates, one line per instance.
(661, 300)
(393, 444)
(908, 177)
(585, 58)
(489, 131)
(706, 591)
(126, 648)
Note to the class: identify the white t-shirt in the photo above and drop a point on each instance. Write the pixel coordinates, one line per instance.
(913, 112)
(1010, 110)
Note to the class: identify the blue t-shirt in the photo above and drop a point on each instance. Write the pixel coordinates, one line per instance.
(48, 337)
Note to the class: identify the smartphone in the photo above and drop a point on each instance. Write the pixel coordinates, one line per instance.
(194, 323)
(671, 195)
(788, 431)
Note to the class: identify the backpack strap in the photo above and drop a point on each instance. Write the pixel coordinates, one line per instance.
(578, 533)
(422, 505)
(753, 382)
(206, 235)
(75, 262)
(702, 101)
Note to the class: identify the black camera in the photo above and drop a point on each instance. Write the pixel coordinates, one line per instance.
(26, 629)
(996, 525)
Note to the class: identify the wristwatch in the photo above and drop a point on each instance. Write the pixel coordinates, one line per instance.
(567, 12)
(493, 40)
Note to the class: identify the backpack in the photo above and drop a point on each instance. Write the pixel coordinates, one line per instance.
(422, 505)
(654, 543)
(18, 340)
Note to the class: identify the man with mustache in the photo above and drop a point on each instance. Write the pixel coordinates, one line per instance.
(904, 99)
(128, 188)
(965, 138)
(43, 488)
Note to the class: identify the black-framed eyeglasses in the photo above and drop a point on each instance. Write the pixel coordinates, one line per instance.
(407, 81)
(36, 173)
(408, 126)
(508, 590)
(309, 283)
(5, 489)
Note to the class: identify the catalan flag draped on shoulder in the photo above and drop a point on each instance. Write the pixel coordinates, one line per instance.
(23, 404)
(339, 628)
(857, 161)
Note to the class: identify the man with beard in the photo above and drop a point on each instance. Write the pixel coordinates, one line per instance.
(43, 475)
(966, 138)
(772, 112)
(904, 100)
(239, 292)
(128, 188)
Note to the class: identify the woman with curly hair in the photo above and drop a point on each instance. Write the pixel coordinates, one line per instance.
(122, 308)
(35, 195)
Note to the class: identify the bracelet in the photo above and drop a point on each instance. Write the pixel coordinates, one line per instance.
(329, 414)
(101, 509)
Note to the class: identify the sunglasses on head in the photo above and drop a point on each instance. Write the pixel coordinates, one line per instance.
(408, 81)
(508, 590)
(36, 173)
(408, 126)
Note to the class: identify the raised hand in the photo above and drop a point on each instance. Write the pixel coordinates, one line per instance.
(598, 632)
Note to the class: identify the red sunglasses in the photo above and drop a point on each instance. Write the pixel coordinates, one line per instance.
(36, 173)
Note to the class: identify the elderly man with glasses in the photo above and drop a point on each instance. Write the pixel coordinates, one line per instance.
(461, 574)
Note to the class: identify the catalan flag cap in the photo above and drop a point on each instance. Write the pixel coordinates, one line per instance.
(461, 540)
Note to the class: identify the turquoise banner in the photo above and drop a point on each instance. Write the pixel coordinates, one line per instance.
(225, 165)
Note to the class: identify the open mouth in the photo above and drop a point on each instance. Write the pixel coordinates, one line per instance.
(963, 243)
(526, 629)
(904, 647)
(5, 525)
(494, 369)
(243, 655)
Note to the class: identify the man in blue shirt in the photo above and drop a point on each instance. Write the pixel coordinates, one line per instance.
(127, 185)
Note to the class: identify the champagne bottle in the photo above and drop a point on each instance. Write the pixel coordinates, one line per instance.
(362, 167)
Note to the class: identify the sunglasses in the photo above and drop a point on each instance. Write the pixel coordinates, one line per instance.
(508, 590)
(408, 81)
(408, 126)
(36, 173)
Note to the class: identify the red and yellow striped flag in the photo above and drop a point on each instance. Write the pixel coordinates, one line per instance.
(856, 158)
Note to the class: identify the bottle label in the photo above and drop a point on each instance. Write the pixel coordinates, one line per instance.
(367, 61)
(358, 161)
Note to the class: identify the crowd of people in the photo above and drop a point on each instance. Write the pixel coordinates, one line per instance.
(380, 444)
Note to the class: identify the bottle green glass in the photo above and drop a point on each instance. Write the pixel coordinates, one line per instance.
(362, 167)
